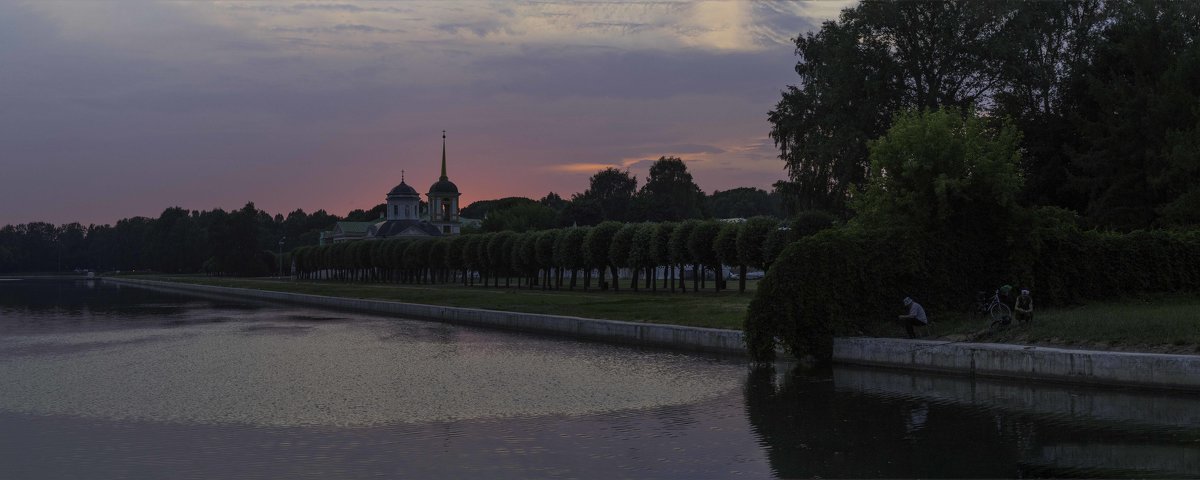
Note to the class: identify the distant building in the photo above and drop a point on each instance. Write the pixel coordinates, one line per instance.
(348, 231)
(404, 216)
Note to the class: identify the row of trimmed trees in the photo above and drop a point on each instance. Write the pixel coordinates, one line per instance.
(650, 253)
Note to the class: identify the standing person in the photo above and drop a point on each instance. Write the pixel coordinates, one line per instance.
(915, 317)
(1024, 307)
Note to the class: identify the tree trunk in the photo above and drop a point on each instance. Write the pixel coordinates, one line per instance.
(695, 278)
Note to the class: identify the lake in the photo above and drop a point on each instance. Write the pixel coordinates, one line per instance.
(100, 381)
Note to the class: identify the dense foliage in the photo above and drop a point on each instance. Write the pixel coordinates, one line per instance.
(550, 259)
(963, 137)
(1104, 93)
(839, 281)
(177, 241)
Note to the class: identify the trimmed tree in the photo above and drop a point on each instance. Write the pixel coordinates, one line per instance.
(727, 253)
(595, 248)
(545, 254)
(700, 246)
(456, 257)
(662, 250)
(680, 255)
(750, 242)
(618, 252)
(641, 254)
(568, 251)
(499, 255)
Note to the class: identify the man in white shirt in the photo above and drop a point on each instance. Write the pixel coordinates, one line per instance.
(916, 317)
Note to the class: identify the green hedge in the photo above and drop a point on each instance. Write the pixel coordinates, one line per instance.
(547, 258)
(838, 281)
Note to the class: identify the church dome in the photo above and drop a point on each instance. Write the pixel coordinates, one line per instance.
(444, 186)
(404, 190)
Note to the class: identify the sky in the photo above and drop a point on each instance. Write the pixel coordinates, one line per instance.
(115, 109)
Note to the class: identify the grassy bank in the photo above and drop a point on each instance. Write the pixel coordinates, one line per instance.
(1160, 324)
(704, 309)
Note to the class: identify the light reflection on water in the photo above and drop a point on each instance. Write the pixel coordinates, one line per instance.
(127, 383)
(368, 371)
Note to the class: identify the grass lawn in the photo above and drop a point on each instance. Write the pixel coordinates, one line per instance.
(1162, 324)
(726, 309)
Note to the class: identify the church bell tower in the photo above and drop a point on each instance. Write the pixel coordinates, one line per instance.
(443, 200)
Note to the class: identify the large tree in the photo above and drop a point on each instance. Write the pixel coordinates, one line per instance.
(877, 58)
(608, 197)
(943, 171)
(669, 194)
(1052, 45)
(1138, 120)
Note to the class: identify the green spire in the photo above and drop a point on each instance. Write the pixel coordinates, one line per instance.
(444, 177)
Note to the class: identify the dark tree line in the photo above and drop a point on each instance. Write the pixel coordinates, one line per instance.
(669, 194)
(237, 242)
(1104, 93)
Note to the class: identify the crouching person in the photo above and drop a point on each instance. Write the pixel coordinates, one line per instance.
(1024, 308)
(915, 317)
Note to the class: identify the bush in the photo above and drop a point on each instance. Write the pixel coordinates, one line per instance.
(776, 241)
(839, 281)
(809, 222)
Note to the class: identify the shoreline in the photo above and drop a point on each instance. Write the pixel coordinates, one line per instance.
(676, 337)
(994, 360)
(1023, 362)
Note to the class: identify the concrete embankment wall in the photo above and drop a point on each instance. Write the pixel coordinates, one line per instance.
(669, 336)
(1025, 362)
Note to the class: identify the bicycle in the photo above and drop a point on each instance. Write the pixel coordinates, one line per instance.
(1000, 314)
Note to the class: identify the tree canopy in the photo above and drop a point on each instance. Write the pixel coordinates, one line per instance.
(669, 194)
(942, 170)
(1103, 92)
(608, 197)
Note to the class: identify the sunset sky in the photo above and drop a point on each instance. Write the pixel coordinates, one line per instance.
(113, 109)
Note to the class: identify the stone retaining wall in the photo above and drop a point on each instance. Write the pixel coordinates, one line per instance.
(669, 336)
(1026, 362)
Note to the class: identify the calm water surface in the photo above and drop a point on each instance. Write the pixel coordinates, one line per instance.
(98, 381)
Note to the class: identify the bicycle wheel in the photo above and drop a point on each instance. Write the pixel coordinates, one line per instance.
(1001, 314)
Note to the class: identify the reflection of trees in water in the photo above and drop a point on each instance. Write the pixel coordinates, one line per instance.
(812, 430)
(38, 302)
(69, 295)
(809, 429)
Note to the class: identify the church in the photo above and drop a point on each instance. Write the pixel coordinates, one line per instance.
(404, 216)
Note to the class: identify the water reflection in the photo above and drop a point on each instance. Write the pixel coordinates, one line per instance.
(878, 423)
(109, 382)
